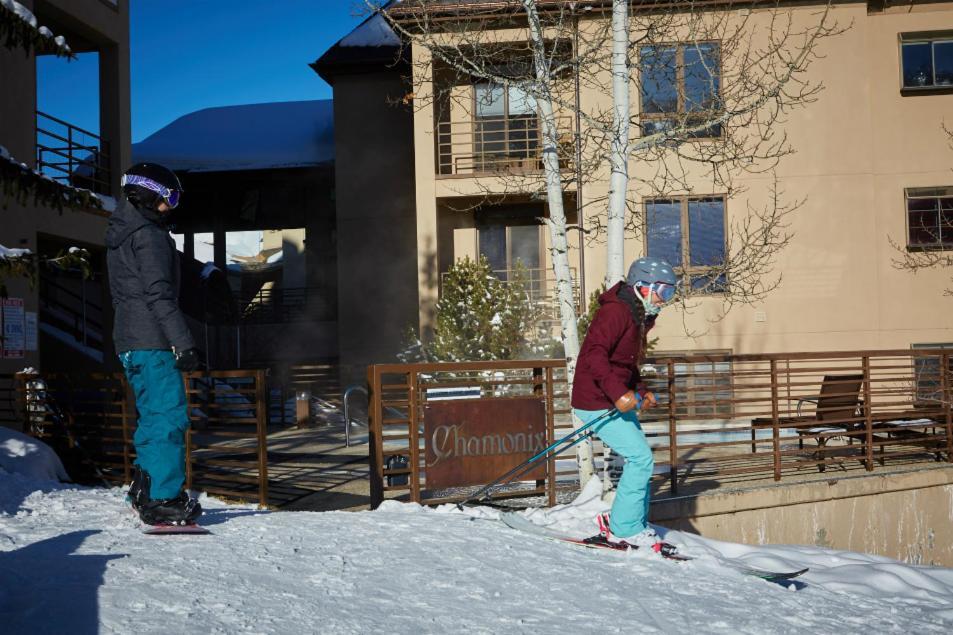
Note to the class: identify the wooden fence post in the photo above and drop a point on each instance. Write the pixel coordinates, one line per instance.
(672, 432)
(375, 445)
(262, 422)
(946, 392)
(775, 421)
(127, 407)
(551, 437)
(868, 415)
(413, 414)
(186, 383)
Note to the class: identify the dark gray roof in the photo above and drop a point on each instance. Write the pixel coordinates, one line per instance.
(372, 44)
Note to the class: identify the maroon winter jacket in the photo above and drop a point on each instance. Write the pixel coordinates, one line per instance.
(608, 364)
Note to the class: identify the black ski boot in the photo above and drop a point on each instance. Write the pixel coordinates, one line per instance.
(138, 494)
(180, 510)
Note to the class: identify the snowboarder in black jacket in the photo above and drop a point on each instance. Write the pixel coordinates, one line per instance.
(152, 339)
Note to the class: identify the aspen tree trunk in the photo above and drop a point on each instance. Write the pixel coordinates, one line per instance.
(557, 222)
(619, 148)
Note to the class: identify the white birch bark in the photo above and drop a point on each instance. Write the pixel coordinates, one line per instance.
(619, 147)
(556, 222)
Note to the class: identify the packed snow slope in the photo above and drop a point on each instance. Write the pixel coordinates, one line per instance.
(73, 560)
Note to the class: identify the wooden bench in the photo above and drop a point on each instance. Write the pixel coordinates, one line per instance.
(837, 408)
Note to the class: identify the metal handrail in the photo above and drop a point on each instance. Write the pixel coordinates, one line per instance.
(83, 318)
(489, 145)
(347, 417)
(92, 158)
(739, 421)
(283, 304)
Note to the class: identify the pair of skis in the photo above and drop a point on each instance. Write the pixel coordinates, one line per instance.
(520, 523)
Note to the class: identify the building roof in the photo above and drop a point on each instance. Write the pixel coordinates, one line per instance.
(372, 44)
(249, 137)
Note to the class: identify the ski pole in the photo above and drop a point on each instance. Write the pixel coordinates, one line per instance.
(530, 461)
(527, 468)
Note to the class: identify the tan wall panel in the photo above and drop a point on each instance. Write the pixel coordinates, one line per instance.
(906, 516)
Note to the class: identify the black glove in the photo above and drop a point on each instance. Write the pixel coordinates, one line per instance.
(187, 360)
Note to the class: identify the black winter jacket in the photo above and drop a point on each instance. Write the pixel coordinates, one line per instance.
(144, 281)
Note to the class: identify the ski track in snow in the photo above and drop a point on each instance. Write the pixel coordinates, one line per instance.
(73, 560)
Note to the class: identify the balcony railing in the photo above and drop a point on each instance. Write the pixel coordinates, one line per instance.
(286, 304)
(494, 145)
(732, 421)
(72, 156)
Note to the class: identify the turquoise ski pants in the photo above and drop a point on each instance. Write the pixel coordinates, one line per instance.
(623, 433)
(163, 419)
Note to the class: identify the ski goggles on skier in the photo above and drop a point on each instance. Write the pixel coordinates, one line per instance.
(171, 197)
(665, 292)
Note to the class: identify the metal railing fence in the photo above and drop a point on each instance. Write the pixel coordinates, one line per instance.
(493, 145)
(733, 418)
(71, 155)
(92, 419)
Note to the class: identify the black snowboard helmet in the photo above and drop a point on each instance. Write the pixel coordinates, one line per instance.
(148, 184)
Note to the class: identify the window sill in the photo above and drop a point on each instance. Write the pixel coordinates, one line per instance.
(935, 247)
(914, 91)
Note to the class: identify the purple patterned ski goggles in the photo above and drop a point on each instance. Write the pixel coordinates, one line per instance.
(171, 197)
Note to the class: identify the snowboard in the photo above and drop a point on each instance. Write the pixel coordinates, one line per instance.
(520, 523)
(173, 530)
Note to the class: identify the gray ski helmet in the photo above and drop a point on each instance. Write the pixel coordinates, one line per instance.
(649, 270)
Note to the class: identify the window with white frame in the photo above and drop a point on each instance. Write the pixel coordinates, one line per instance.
(930, 218)
(689, 233)
(926, 60)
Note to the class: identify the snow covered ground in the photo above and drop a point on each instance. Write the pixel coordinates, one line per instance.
(73, 560)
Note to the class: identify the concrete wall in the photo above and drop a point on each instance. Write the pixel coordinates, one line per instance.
(20, 227)
(376, 239)
(857, 148)
(87, 25)
(18, 103)
(903, 515)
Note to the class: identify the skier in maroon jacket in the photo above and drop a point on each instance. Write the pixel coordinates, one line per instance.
(607, 377)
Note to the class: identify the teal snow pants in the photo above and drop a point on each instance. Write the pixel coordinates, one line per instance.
(623, 433)
(163, 418)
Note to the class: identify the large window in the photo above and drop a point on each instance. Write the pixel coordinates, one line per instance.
(927, 60)
(508, 246)
(689, 233)
(680, 87)
(930, 218)
(507, 133)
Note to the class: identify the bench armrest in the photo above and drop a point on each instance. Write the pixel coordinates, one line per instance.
(803, 400)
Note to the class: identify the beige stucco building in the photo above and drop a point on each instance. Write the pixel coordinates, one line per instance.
(870, 153)
(68, 306)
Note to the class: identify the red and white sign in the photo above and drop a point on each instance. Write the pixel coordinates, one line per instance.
(13, 318)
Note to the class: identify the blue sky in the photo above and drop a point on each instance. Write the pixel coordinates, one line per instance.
(186, 55)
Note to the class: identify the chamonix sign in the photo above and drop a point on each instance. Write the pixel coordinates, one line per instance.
(473, 441)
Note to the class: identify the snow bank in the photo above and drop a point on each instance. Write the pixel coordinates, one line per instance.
(28, 457)
(73, 560)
